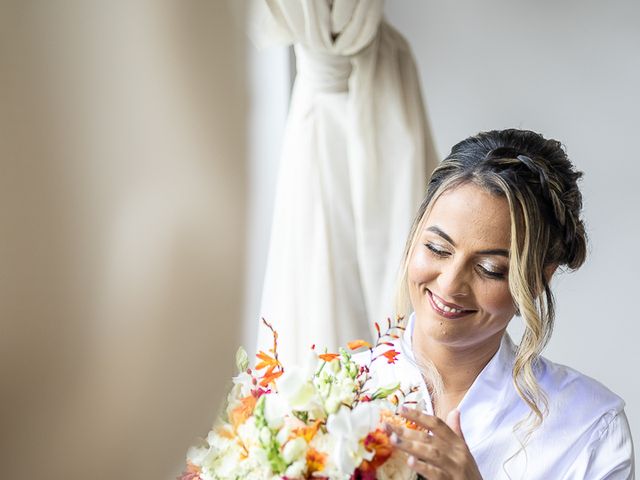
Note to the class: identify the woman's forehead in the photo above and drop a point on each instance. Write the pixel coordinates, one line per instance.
(469, 213)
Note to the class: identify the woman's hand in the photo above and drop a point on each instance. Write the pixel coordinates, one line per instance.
(437, 450)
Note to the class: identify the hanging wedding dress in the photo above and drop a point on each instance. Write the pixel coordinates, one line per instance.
(355, 158)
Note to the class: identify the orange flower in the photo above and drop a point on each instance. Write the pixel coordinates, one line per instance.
(377, 442)
(225, 433)
(271, 364)
(243, 411)
(356, 344)
(391, 355)
(386, 416)
(307, 432)
(327, 357)
(244, 454)
(267, 361)
(270, 376)
(315, 460)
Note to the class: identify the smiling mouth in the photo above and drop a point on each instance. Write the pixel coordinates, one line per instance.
(445, 309)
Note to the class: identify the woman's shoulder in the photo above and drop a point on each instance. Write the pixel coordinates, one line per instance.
(582, 407)
(566, 387)
(589, 418)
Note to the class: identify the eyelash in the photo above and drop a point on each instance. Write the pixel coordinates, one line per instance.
(443, 254)
(490, 274)
(436, 251)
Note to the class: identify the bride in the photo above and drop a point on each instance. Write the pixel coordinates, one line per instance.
(501, 215)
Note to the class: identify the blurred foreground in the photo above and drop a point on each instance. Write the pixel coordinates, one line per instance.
(122, 206)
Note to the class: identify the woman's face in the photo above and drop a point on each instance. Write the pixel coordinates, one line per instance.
(458, 270)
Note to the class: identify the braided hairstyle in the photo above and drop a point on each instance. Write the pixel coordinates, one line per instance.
(540, 184)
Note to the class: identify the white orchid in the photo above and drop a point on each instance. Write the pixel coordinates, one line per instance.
(276, 408)
(296, 384)
(244, 380)
(349, 427)
(296, 387)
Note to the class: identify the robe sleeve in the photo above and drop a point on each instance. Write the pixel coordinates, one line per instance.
(609, 455)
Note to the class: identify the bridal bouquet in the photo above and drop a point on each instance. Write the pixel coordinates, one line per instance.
(316, 421)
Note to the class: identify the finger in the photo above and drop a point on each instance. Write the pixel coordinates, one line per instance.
(427, 470)
(434, 454)
(406, 433)
(429, 422)
(453, 421)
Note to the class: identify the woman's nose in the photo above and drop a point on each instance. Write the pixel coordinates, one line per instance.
(453, 280)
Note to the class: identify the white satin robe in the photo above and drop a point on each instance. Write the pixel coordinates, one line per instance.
(585, 436)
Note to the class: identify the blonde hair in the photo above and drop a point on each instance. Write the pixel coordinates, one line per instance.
(540, 185)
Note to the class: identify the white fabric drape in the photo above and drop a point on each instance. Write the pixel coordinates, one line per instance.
(355, 158)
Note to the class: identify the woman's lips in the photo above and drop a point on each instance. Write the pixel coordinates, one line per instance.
(445, 309)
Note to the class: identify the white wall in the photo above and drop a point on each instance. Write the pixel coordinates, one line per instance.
(569, 70)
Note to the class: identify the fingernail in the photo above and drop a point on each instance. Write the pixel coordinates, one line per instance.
(411, 460)
(394, 438)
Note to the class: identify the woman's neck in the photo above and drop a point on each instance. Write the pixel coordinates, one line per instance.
(458, 367)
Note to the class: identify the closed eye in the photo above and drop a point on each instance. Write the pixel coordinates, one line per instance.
(437, 251)
(491, 273)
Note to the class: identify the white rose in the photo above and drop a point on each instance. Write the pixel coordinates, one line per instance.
(294, 449)
(265, 435)
(196, 455)
(296, 469)
(248, 431)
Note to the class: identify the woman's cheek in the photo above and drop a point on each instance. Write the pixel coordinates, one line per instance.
(420, 267)
(498, 300)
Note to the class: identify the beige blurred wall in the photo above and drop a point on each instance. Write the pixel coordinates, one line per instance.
(122, 219)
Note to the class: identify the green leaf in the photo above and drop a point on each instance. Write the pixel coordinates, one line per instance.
(384, 392)
(301, 415)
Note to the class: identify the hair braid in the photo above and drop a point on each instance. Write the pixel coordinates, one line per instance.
(563, 199)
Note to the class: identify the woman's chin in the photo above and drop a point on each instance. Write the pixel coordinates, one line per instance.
(438, 329)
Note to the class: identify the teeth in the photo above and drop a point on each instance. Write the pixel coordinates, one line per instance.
(444, 307)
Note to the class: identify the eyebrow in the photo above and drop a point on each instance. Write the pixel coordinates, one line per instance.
(496, 251)
(493, 251)
(438, 231)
